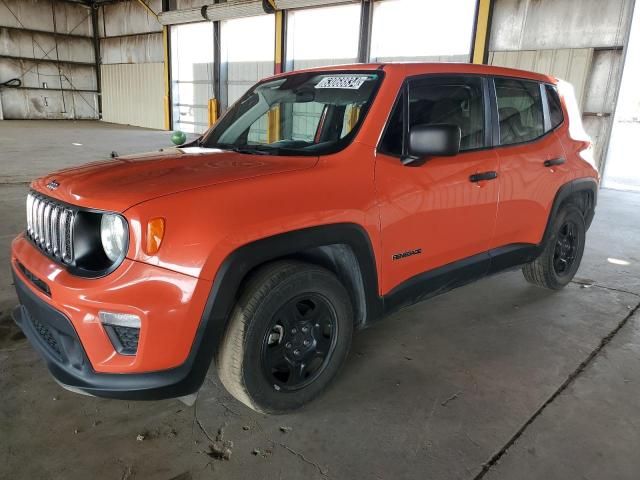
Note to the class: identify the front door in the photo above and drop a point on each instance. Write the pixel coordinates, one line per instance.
(443, 209)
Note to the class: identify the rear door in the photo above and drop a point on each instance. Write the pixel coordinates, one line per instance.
(532, 161)
(435, 212)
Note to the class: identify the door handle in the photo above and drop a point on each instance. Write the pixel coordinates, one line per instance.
(555, 161)
(478, 177)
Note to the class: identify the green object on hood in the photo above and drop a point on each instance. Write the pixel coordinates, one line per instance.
(178, 137)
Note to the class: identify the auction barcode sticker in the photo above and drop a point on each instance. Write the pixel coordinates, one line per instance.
(349, 82)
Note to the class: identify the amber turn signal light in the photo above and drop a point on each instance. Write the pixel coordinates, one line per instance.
(155, 233)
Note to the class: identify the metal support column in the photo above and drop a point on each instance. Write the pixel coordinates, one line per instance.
(482, 31)
(366, 21)
(97, 56)
(281, 41)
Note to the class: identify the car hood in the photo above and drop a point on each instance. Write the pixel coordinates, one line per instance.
(122, 182)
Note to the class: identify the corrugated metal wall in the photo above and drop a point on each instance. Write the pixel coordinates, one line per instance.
(572, 65)
(48, 46)
(125, 87)
(577, 40)
(132, 64)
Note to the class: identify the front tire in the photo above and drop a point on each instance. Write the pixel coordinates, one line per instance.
(288, 336)
(560, 259)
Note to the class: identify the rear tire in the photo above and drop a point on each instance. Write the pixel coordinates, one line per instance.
(561, 257)
(288, 336)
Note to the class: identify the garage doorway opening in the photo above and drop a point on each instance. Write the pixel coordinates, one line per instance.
(622, 170)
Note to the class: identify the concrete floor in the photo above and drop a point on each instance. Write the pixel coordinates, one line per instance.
(496, 380)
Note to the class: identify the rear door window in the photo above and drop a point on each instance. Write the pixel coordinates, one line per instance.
(520, 111)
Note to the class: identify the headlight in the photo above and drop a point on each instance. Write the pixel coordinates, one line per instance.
(113, 233)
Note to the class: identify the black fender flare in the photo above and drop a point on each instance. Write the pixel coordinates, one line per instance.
(588, 184)
(241, 261)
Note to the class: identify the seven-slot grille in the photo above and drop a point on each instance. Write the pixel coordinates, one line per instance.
(50, 226)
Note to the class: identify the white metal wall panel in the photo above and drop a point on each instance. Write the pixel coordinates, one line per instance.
(601, 90)
(242, 75)
(132, 49)
(570, 64)
(127, 86)
(552, 24)
(128, 18)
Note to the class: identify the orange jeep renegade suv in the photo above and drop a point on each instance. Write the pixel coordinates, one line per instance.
(321, 201)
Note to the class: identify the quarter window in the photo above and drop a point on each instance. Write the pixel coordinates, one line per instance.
(555, 108)
(519, 110)
(391, 143)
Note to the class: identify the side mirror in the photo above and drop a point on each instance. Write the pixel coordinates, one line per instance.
(433, 141)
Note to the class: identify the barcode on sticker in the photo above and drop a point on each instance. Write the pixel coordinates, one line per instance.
(351, 82)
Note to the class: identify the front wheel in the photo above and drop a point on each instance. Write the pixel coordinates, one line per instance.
(561, 257)
(288, 336)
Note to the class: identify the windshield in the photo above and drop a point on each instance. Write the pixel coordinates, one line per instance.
(311, 113)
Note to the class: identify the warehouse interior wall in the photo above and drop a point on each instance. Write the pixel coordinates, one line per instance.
(48, 47)
(132, 63)
(581, 41)
(54, 54)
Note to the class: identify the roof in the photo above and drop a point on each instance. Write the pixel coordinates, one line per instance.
(422, 68)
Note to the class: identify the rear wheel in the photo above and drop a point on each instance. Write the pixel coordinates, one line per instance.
(287, 338)
(560, 260)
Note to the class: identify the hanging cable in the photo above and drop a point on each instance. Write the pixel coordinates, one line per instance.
(14, 82)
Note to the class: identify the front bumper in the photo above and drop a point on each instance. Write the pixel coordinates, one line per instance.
(53, 336)
(59, 315)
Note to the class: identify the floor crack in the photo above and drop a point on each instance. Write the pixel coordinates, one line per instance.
(570, 379)
(613, 289)
(197, 421)
(323, 471)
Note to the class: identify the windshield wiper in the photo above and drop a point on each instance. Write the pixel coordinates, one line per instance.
(248, 149)
(255, 150)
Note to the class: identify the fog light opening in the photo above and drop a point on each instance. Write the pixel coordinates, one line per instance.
(120, 319)
(123, 329)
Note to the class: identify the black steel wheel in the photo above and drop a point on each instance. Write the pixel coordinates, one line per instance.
(298, 346)
(562, 253)
(287, 337)
(566, 247)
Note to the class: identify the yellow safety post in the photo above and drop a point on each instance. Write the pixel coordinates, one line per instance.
(279, 42)
(481, 37)
(354, 115)
(165, 47)
(273, 126)
(273, 129)
(213, 111)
